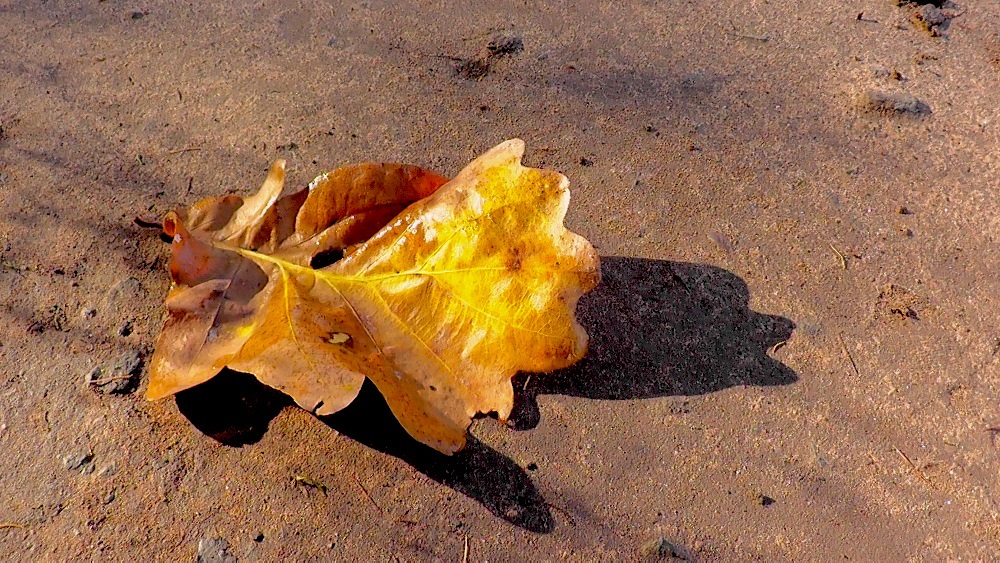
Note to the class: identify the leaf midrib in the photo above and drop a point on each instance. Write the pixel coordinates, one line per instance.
(371, 281)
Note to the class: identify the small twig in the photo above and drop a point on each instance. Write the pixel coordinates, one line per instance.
(843, 259)
(778, 346)
(185, 149)
(367, 494)
(449, 57)
(5, 525)
(847, 352)
(915, 469)
(762, 38)
(147, 222)
(465, 552)
(109, 379)
(526, 382)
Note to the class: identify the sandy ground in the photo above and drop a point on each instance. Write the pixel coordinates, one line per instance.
(794, 349)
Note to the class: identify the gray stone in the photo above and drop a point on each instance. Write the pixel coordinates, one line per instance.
(93, 375)
(82, 462)
(894, 104)
(214, 550)
(125, 373)
(662, 549)
(108, 470)
(120, 378)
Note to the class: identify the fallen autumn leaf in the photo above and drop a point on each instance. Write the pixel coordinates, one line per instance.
(445, 290)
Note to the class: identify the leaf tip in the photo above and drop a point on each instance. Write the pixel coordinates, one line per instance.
(170, 222)
(156, 390)
(514, 145)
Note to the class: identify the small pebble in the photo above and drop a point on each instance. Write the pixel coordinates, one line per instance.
(108, 470)
(82, 462)
(88, 313)
(121, 378)
(894, 104)
(93, 375)
(214, 550)
(664, 549)
(125, 329)
(505, 45)
(930, 18)
(125, 373)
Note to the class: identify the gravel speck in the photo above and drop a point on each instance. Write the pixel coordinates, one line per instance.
(214, 550)
(121, 378)
(82, 462)
(662, 549)
(894, 104)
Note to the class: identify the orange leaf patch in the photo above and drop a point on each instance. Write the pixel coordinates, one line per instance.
(445, 290)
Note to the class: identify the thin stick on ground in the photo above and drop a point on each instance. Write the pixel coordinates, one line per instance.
(367, 494)
(5, 525)
(109, 379)
(916, 470)
(465, 552)
(850, 358)
(762, 38)
(843, 259)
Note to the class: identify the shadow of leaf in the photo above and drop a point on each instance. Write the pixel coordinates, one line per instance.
(235, 409)
(660, 328)
(657, 328)
(478, 471)
(232, 408)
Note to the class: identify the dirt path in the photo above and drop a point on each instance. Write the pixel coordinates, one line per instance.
(795, 347)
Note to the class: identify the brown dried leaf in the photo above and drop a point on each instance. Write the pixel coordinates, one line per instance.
(445, 291)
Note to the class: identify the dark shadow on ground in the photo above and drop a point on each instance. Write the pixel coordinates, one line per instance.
(232, 407)
(660, 328)
(656, 328)
(478, 471)
(235, 409)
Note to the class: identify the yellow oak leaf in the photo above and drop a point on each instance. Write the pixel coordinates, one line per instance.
(445, 289)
